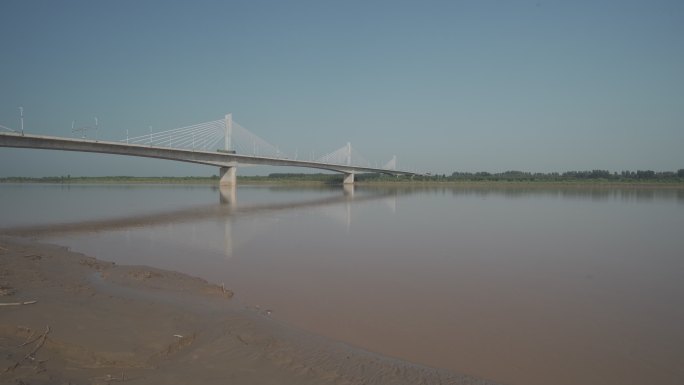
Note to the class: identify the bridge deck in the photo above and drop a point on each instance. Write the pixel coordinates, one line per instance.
(220, 159)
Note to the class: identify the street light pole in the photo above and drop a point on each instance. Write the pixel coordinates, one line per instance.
(21, 114)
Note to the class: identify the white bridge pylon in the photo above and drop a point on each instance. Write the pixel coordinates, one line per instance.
(222, 134)
(227, 135)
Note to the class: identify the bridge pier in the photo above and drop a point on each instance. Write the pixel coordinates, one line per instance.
(348, 178)
(228, 176)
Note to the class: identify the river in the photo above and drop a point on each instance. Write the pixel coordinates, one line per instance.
(520, 285)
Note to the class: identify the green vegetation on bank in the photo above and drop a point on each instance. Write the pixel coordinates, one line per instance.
(580, 177)
(572, 176)
(629, 176)
(569, 177)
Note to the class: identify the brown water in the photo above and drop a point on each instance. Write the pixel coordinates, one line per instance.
(520, 286)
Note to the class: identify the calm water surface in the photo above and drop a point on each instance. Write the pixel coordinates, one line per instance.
(522, 286)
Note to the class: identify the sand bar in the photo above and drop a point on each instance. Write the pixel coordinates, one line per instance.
(75, 319)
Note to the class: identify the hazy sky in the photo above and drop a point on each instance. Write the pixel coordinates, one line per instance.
(444, 85)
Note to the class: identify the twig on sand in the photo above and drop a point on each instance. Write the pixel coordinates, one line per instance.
(41, 341)
(39, 345)
(29, 339)
(17, 303)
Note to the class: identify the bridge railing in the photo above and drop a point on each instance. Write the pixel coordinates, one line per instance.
(211, 135)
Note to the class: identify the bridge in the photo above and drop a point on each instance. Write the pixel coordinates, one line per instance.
(222, 143)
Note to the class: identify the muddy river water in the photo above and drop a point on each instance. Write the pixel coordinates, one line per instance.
(541, 285)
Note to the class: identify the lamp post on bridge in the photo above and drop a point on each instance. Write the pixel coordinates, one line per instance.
(83, 130)
(21, 114)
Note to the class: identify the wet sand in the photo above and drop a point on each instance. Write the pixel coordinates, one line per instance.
(95, 322)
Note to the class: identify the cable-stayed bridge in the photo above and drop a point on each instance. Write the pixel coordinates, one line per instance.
(222, 143)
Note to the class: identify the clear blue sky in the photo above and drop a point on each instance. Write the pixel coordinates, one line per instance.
(445, 85)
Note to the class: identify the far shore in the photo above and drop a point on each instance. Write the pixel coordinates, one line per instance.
(332, 179)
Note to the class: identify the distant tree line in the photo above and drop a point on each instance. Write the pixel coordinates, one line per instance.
(506, 176)
(510, 176)
(525, 176)
(572, 175)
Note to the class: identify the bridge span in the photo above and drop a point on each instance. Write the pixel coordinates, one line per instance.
(226, 161)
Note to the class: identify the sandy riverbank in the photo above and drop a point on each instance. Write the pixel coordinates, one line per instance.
(96, 323)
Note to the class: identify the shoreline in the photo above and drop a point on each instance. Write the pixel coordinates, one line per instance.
(97, 322)
(249, 181)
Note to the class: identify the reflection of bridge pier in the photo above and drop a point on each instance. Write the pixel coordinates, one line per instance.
(348, 190)
(339, 207)
(228, 238)
(228, 195)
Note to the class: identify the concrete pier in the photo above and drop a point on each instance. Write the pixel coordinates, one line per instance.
(348, 178)
(228, 176)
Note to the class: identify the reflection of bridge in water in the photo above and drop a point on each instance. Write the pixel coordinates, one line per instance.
(337, 207)
(342, 213)
(222, 143)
